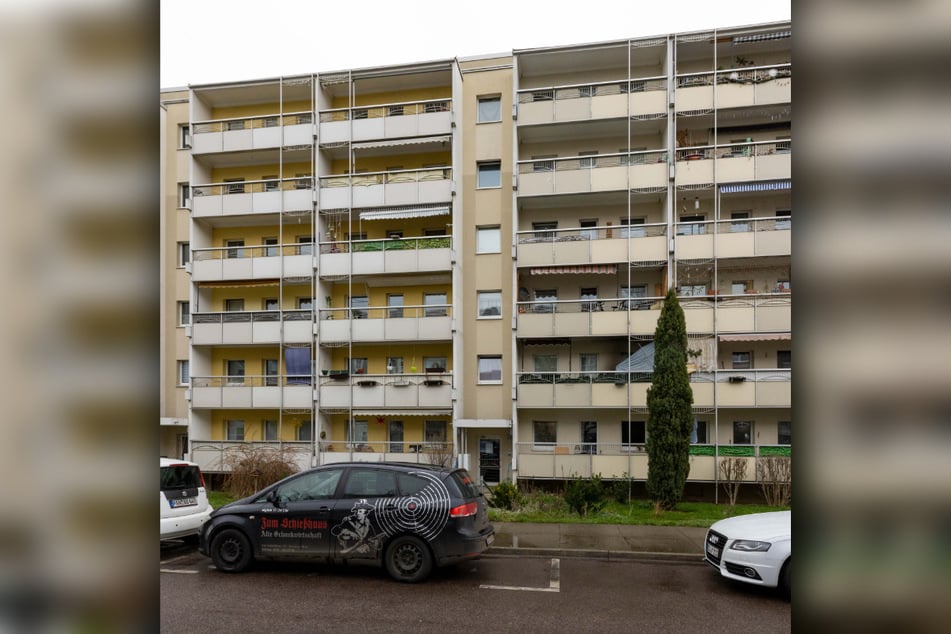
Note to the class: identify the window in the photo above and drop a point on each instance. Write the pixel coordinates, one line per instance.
(358, 365)
(394, 365)
(543, 95)
(699, 434)
(270, 429)
(782, 286)
(435, 363)
(394, 303)
(304, 431)
(541, 165)
(784, 432)
(739, 147)
(434, 232)
(184, 195)
(395, 111)
(234, 249)
(231, 126)
(234, 305)
(490, 174)
(490, 369)
(544, 434)
(234, 429)
(490, 109)
(184, 313)
(183, 377)
(589, 362)
(691, 226)
(742, 432)
(629, 228)
(693, 290)
(358, 307)
(544, 230)
(739, 227)
(184, 136)
(630, 295)
(234, 185)
(270, 304)
(269, 122)
(784, 358)
(270, 247)
(633, 433)
(589, 437)
(488, 240)
(184, 253)
(396, 436)
(302, 181)
(394, 234)
(434, 305)
(589, 229)
(739, 287)
(590, 294)
(545, 362)
(357, 433)
(235, 371)
(435, 431)
(305, 245)
(305, 303)
(271, 183)
(783, 219)
(587, 160)
(544, 300)
(742, 360)
(587, 91)
(490, 303)
(361, 113)
(270, 371)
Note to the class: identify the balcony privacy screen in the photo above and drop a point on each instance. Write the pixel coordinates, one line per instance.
(297, 364)
(640, 361)
(766, 186)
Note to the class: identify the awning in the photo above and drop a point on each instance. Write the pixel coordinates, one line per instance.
(396, 213)
(582, 268)
(488, 423)
(759, 37)
(403, 414)
(238, 284)
(774, 336)
(420, 140)
(765, 186)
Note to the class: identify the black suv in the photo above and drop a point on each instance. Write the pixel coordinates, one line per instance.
(406, 517)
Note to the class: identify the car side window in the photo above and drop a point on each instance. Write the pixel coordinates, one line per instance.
(411, 484)
(366, 483)
(318, 485)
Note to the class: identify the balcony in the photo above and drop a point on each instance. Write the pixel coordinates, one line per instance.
(252, 133)
(333, 451)
(588, 317)
(586, 102)
(432, 322)
(252, 327)
(600, 173)
(429, 391)
(252, 197)
(390, 121)
(757, 160)
(379, 189)
(252, 392)
(582, 389)
(593, 245)
(754, 312)
(753, 388)
(219, 455)
(735, 88)
(218, 264)
(750, 237)
(392, 255)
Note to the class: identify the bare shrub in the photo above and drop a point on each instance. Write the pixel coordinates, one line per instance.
(775, 479)
(732, 473)
(253, 468)
(440, 454)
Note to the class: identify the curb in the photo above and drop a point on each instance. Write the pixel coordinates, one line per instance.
(585, 553)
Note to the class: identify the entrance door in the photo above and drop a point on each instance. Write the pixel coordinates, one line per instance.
(489, 460)
(396, 436)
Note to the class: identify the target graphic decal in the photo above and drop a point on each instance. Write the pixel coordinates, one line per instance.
(424, 513)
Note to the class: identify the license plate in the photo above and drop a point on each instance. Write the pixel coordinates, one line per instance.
(489, 540)
(713, 551)
(183, 502)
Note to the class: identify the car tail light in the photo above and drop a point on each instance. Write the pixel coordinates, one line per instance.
(465, 510)
(201, 478)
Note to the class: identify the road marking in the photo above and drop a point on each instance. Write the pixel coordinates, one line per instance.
(179, 572)
(554, 584)
(168, 561)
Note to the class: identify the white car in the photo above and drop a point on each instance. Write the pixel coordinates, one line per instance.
(755, 548)
(183, 501)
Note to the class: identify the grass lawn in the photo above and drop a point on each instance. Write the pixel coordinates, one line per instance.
(550, 508)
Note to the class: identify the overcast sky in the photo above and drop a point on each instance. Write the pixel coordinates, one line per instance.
(227, 40)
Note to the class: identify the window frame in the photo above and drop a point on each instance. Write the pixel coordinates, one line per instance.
(484, 169)
(488, 99)
(483, 304)
(483, 233)
(184, 373)
(489, 358)
(737, 430)
(785, 362)
(436, 309)
(234, 429)
(784, 437)
(184, 254)
(543, 426)
(737, 362)
(184, 314)
(184, 196)
(358, 433)
(628, 427)
(184, 136)
(266, 425)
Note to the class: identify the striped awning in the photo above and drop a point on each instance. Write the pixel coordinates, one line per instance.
(420, 140)
(760, 37)
(396, 213)
(765, 186)
(403, 413)
(581, 268)
(770, 336)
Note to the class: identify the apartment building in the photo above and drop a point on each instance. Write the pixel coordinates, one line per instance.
(464, 259)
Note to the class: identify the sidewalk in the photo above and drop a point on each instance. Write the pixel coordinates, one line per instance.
(610, 541)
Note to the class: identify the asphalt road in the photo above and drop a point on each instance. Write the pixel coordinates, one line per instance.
(493, 594)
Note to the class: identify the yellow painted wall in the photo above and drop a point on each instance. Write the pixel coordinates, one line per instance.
(401, 96)
(382, 163)
(258, 172)
(376, 356)
(259, 109)
(254, 236)
(413, 429)
(412, 295)
(376, 229)
(254, 423)
(253, 359)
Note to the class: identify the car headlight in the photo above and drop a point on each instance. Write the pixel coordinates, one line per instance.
(750, 546)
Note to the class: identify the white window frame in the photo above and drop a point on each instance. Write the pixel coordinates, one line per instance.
(752, 432)
(184, 196)
(184, 254)
(184, 378)
(435, 304)
(486, 366)
(357, 433)
(543, 445)
(234, 429)
(483, 234)
(184, 313)
(235, 378)
(184, 137)
(486, 300)
(487, 115)
(630, 445)
(434, 431)
(486, 168)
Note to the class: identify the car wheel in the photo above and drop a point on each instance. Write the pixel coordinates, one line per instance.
(408, 559)
(231, 550)
(785, 579)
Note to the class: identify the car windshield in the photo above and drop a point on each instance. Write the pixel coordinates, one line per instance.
(180, 477)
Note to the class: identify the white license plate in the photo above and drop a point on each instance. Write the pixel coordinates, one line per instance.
(183, 502)
(489, 540)
(713, 551)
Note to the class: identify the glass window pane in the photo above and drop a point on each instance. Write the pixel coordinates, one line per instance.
(490, 369)
(490, 174)
(490, 109)
(488, 240)
(490, 303)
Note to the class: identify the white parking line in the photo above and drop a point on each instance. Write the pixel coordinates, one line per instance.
(554, 583)
(179, 572)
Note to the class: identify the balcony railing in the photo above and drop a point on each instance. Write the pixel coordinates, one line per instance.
(396, 109)
(251, 123)
(253, 186)
(600, 232)
(236, 317)
(256, 251)
(578, 91)
(387, 244)
(365, 179)
(220, 455)
(737, 225)
(745, 75)
(589, 305)
(641, 157)
(734, 150)
(249, 380)
(388, 312)
(345, 377)
(610, 376)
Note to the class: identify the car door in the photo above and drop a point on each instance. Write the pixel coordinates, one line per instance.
(365, 501)
(295, 520)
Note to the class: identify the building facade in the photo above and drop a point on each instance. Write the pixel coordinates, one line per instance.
(465, 259)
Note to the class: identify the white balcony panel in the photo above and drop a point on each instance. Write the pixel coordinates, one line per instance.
(367, 395)
(609, 395)
(773, 243)
(537, 465)
(536, 183)
(532, 325)
(648, 175)
(298, 331)
(573, 395)
(298, 396)
(437, 191)
(236, 140)
(299, 134)
(774, 317)
(427, 260)
(644, 322)
(773, 166)
(334, 330)
(236, 204)
(298, 199)
(265, 137)
(367, 329)
(334, 131)
(650, 102)
(404, 329)
(730, 169)
(367, 262)
(401, 193)
(332, 264)
(697, 172)
(206, 334)
(649, 249)
(205, 206)
(266, 267)
(736, 394)
(334, 197)
(369, 195)
(335, 395)
(735, 95)
(637, 392)
(433, 123)
(540, 254)
(401, 395)
(572, 324)
(571, 181)
(435, 396)
(573, 109)
(773, 92)
(694, 98)
(573, 252)
(268, 396)
(237, 333)
(205, 142)
(264, 202)
(203, 397)
(435, 328)
(609, 178)
(298, 265)
(236, 268)
(702, 393)
(736, 316)
(536, 395)
(207, 270)
(366, 129)
(608, 106)
(694, 246)
(735, 245)
(609, 250)
(536, 112)
(609, 323)
(236, 396)
(773, 393)
(702, 468)
(265, 332)
(397, 127)
(699, 319)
